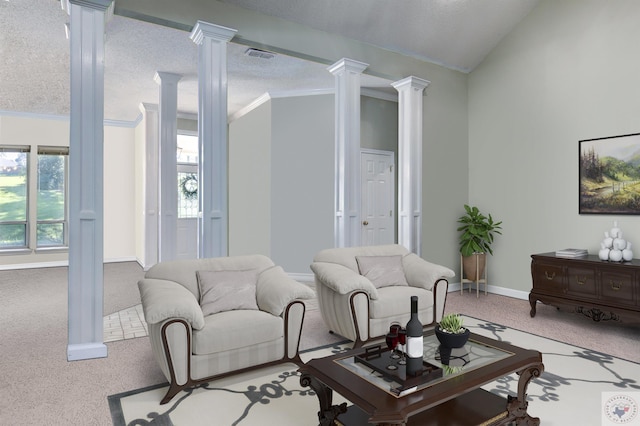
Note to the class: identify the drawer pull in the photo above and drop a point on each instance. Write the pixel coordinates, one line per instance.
(581, 280)
(615, 286)
(549, 276)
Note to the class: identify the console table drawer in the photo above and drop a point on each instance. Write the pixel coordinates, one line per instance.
(582, 282)
(549, 278)
(618, 287)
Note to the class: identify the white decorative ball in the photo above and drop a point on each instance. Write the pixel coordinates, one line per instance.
(615, 255)
(619, 244)
(608, 242)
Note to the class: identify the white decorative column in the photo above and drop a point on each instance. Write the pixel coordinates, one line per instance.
(410, 92)
(347, 152)
(168, 177)
(150, 175)
(212, 132)
(85, 338)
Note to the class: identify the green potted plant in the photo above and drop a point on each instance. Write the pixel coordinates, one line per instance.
(451, 331)
(477, 234)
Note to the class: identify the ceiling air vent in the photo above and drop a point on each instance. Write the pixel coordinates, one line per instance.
(257, 53)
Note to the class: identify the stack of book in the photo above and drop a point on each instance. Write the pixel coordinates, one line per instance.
(572, 252)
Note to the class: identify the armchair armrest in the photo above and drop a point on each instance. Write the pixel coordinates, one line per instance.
(275, 290)
(420, 273)
(163, 299)
(341, 279)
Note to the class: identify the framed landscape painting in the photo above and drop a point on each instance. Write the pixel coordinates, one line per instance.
(610, 175)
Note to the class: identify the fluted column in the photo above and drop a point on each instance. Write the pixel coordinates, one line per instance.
(168, 178)
(410, 92)
(347, 152)
(86, 217)
(212, 132)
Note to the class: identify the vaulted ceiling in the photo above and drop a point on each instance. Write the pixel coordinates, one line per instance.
(34, 70)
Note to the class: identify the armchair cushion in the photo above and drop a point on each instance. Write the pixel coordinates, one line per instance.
(275, 290)
(382, 271)
(163, 299)
(396, 301)
(231, 330)
(227, 290)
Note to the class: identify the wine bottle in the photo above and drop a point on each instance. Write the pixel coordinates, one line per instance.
(415, 347)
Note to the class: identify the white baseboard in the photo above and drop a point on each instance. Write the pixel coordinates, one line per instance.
(58, 263)
(121, 259)
(55, 264)
(80, 351)
(509, 292)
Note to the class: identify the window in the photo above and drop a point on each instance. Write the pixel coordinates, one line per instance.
(187, 195)
(14, 171)
(187, 158)
(33, 200)
(51, 227)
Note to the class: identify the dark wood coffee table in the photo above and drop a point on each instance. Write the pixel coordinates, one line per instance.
(454, 398)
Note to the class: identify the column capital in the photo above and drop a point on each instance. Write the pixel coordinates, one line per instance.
(168, 77)
(217, 32)
(93, 4)
(145, 106)
(346, 64)
(411, 82)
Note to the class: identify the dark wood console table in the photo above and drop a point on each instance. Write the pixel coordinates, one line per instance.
(600, 290)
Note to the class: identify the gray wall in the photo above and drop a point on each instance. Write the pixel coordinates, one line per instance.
(250, 183)
(281, 180)
(568, 72)
(302, 161)
(379, 124)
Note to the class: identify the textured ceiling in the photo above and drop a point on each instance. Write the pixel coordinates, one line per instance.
(34, 52)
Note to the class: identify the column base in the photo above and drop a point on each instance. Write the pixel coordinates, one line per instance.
(82, 351)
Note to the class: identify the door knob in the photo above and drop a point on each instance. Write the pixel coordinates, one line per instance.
(365, 223)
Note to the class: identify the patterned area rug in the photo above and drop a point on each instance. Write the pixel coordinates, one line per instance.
(578, 386)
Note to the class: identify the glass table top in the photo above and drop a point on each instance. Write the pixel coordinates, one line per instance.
(453, 362)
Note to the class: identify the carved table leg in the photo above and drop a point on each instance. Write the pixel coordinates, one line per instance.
(532, 302)
(328, 413)
(517, 406)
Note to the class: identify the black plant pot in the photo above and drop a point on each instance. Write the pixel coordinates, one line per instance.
(450, 340)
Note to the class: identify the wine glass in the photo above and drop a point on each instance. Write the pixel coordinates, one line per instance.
(402, 340)
(395, 328)
(392, 341)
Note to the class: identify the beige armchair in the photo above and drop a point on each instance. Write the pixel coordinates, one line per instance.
(209, 318)
(361, 290)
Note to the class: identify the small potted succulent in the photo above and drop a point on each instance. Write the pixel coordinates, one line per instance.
(451, 332)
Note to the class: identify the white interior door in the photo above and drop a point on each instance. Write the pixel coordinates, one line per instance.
(378, 197)
(187, 238)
